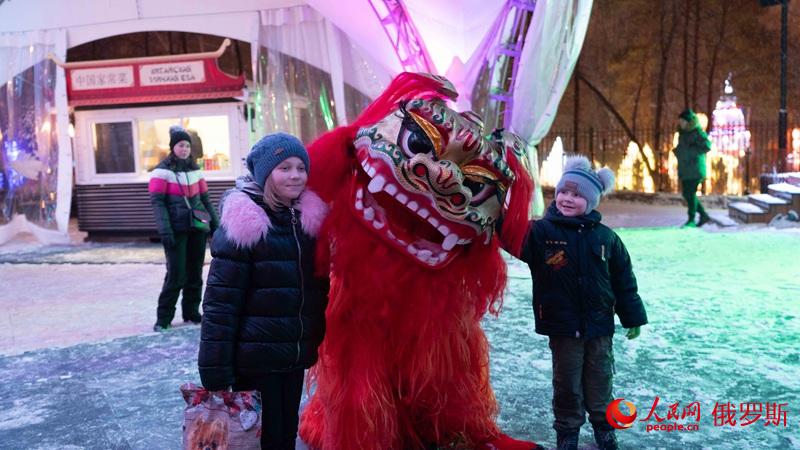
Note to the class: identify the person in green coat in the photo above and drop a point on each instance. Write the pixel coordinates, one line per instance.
(693, 144)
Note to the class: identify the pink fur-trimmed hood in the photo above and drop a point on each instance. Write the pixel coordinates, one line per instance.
(245, 222)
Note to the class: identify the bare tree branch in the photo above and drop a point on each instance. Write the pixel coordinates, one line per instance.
(637, 99)
(610, 107)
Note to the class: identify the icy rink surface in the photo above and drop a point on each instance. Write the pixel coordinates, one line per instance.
(724, 312)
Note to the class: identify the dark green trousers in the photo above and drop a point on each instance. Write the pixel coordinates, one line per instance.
(583, 371)
(184, 273)
(689, 192)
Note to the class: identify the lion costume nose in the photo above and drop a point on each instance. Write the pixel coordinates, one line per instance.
(442, 176)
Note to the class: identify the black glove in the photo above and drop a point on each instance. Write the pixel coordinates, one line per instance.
(168, 239)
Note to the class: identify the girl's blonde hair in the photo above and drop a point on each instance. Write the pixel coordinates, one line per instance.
(271, 198)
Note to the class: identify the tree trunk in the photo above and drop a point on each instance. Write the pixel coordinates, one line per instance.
(576, 116)
(695, 53)
(665, 46)
(714, 58)
(686, 14)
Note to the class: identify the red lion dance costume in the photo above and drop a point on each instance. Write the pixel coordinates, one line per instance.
(415, 192)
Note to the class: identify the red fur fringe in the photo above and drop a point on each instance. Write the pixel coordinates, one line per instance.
(330, 161)
(515, 219)
(405, 362)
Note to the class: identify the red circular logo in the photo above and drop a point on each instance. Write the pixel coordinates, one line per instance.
(616, 418)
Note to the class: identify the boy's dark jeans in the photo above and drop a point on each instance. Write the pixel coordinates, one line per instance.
(582, 379)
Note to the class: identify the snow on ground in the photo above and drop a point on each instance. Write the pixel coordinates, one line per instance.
(58, 305)
(66, 295)
(725, 327)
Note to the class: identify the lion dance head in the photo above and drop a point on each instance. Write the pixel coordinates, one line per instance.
(430, 180)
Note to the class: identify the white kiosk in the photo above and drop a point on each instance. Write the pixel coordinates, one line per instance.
(123, 111)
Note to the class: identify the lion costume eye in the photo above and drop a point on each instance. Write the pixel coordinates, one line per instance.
(480, 189)
(417, 135)
(414, 142)
(481, 182)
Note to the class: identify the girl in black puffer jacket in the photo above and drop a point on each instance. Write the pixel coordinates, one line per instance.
(264, 306)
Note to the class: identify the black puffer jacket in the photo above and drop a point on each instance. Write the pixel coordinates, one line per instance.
(264, 308)
(582, 275)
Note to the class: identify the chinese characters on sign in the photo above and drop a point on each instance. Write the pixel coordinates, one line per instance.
(772, 414)
(102, 78)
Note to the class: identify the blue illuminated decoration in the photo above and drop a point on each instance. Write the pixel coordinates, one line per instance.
(12, 151)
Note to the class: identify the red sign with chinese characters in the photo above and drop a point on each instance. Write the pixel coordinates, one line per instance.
(149, 80)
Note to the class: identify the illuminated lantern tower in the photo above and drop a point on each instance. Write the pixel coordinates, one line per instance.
(730, 142)
(728, 129)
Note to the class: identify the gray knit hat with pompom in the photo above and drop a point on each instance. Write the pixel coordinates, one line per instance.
(579, 177)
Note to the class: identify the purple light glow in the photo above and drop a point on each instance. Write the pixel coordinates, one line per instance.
(403, 35)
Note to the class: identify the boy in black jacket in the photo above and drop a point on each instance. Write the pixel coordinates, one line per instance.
(582, 275)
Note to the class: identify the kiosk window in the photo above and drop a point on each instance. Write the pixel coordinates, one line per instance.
(154, 141)
(210, 141)
(113, 147)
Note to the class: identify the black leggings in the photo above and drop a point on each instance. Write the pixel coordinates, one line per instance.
(689, 191)
(280, 401)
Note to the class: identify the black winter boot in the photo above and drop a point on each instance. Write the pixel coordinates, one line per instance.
(567, 441)
(606, 439)
(704, 219)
